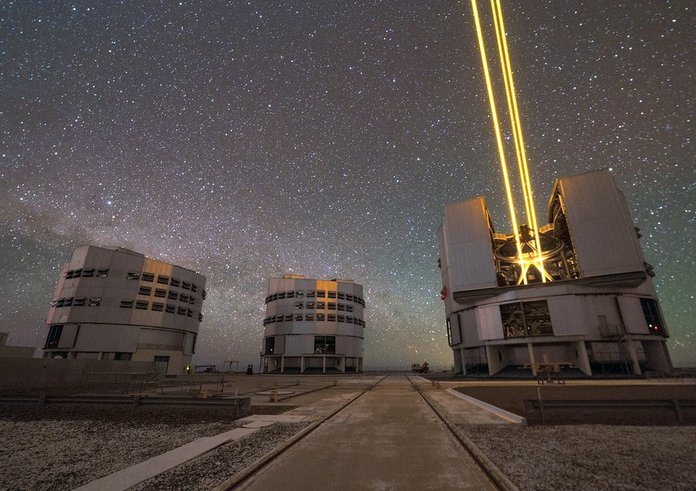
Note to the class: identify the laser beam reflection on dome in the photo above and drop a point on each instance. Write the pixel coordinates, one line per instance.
(529, 253)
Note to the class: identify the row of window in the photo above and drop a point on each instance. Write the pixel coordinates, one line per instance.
(348, 319)
(171, 294)
(76, 302)
(134, 275)
(169, 308)
(317, 294)
(86, 273)
(324, 305)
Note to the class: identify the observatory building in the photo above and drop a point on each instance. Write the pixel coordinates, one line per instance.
(116, 304)
(313, 326)
(590, 305)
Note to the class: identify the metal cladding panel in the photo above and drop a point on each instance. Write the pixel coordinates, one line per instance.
(489, 323)
(569, 315)
(632, 315)
(467, 245)
(455, 329)
(600, 225)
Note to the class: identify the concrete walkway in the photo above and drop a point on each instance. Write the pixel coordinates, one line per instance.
(388, 439)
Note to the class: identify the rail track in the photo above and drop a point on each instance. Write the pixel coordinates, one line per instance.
(494, 474)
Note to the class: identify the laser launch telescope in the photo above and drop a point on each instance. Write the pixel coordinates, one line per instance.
(575, 293)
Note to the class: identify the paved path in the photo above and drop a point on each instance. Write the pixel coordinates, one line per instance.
(388, 439)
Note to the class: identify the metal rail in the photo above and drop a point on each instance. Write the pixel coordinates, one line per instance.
(121, 400)
(492, 471)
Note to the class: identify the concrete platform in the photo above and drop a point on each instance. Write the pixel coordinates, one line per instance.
(388, 439)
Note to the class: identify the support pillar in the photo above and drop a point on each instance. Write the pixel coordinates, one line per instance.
(282, 364)
(532, 359)
(635, 365)
(583, 361)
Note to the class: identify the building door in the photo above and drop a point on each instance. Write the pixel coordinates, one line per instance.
(161, 364)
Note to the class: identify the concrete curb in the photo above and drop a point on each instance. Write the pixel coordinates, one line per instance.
(501, 413)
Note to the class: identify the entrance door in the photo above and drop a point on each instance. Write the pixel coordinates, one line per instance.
(161, 364)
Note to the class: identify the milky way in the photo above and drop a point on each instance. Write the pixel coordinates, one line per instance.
(246, 140)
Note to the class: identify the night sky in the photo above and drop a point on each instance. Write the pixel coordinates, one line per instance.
(246, 140)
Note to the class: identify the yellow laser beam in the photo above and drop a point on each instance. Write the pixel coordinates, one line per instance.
(517, 131)
(496, 128)
(536, 257)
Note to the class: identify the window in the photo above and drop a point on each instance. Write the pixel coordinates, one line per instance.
(192, 300)
(77, 273)
(88, 273)
(194, 287)
(299, 293)
(141, 304)
(131, 275)
(170, 308)
(341, 318)
(175, 282)
(54, 303)
(145, 290)
(651, 312)
(126, 304)
(102, 273)
(184, 298)
(290, 294)
(270, 345)
(185, 285)
(341, 307)
(310, 305)
(356, 321)
(79, 302)
(281, 295)
(288, 317)
(204, 294)
(265, 321)
(341, 296)
(321, 305)
(320, 317)
(53, 337)
(325, 344)
(181, 311)
(349, 319)
(274, 297)
(149, 277)
(332, 294)
(268, 299)
(69, 274)
(94, 302)
(173, 295)
(310, 294)
(321, 293)
(160, 293)
(298, 317)
(189, 313)
(67, 302)
(158, 306)
(332, 305)
(309, 317)
(349, 308)
(200, 316)
(349, 297)
(299, 305)
(123, 356)
(60, 302)
(163, 280)
(521, 319)
(331, 317)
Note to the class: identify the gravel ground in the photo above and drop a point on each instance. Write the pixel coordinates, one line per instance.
(591, 457)
(222, 463)
(64, 449)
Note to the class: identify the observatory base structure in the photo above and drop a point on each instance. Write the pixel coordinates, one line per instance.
(592, 306)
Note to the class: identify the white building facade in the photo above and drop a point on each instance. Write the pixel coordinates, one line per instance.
(116, 304)
(313, 326)
(598, 311)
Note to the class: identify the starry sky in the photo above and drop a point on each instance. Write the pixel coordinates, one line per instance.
(248, 139)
